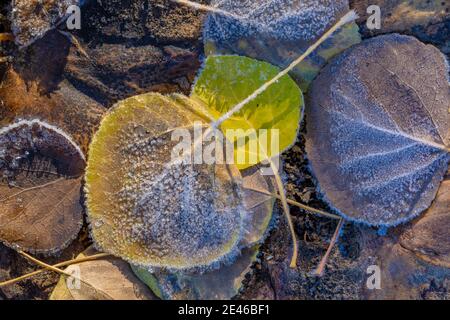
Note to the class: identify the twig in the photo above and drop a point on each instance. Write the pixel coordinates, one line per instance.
(203, 7)
(298, 204)
(45, 265)
(61, 264)
(323, 262)
(287, 212)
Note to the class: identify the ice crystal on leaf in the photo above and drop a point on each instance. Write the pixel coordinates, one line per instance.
(31, 19)
(40, 181)
(378, 129)
(149, 210)
(278, 31)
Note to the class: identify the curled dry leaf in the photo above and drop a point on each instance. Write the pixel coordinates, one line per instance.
(278, 31)
(378, 129)
(41, 169)
(31, 19)
(105, 279)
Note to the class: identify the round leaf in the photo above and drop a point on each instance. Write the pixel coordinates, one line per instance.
(150, 210)
(41, 169)
(378, 129)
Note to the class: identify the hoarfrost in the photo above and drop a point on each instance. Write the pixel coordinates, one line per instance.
(278, 31)
(378, 129)
(155, 212)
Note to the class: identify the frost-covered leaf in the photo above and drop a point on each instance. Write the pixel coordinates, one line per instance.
(40, 183)
(31, 19)
(222, 284)
(278, 31)
(105, 279)
(150, 210)
(225, 282)
(227, 80)
(378, 129)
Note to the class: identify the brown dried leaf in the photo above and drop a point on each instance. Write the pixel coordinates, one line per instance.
(40, 172)
(259, 206)
(429, 237)
(427, 20)
(105, 279)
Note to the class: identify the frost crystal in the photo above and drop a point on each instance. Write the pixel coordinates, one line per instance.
(154, 212)
(278, 31)
(31, 19)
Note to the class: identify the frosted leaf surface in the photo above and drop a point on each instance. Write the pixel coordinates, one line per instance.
(278, 31)
(40, 182)
(225, 282)
(177, 216)
(378, 129)
(31, 19)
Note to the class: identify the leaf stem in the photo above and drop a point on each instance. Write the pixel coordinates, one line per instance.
(287, 213)
(45, 265)
(350, 16)
(61, 264)
(298, 204)
(320, 269)
(206, 8)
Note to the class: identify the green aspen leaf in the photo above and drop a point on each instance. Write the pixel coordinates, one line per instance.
(147, 209)
(273, 116)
